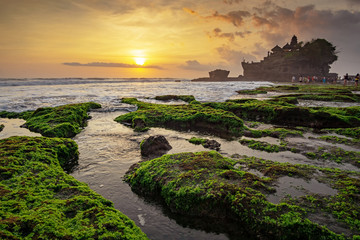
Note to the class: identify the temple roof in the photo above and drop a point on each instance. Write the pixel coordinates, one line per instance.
(287, 46)
(276, 49)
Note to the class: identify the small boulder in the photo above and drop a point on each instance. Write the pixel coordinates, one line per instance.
(212, 144)
(154, 146)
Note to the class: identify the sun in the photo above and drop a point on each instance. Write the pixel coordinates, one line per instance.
(140, 60)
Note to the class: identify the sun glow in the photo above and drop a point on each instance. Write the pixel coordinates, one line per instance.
(140, 60)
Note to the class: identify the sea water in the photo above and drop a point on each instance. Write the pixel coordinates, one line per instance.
(29, 94)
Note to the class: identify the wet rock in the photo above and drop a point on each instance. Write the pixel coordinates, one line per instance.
(139, 125)
(212, 144)
(154, 146)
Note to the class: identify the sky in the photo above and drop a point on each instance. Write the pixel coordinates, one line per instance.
(163, 38)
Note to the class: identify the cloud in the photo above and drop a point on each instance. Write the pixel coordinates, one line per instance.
(234, 57)
(234, 17)
(232, 1)
(188, 10)
(354, 2)
(196, 66)
(217, 32)
(103, 64)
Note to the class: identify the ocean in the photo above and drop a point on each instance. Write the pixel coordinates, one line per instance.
(28, 94)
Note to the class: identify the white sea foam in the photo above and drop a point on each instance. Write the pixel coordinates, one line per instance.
(29, 94)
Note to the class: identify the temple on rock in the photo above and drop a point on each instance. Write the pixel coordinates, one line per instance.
(282, 63)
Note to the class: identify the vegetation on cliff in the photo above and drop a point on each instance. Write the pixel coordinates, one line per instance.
(209, 185)
(320, 53)
(62, 121)
(40, 201)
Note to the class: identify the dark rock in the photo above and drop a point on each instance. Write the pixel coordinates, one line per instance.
(212, 144)
(139, 123)
(154, 146)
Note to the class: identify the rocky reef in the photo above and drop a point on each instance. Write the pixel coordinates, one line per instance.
(193, 116)
(209, 185)
(62, 121)
(40, 201)
(247, 191)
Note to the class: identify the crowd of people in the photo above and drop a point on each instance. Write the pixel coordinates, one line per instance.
(315, 79)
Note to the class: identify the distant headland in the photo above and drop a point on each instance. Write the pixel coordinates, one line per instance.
(281, 64)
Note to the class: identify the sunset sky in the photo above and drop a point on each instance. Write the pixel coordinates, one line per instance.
(164, 38)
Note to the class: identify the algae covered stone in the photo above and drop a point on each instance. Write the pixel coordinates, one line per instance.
(40, 201)
(205, 184)
(194, 117)
(62, 121)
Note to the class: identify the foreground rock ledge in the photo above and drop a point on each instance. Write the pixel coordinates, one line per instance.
(205, 184)
(40, 201)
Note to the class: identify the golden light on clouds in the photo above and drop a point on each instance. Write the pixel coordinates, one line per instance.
(159, 38)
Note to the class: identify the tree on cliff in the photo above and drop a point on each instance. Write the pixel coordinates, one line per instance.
(320, 53)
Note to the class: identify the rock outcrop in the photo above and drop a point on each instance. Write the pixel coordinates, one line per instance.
(219, 74)
(154, 146)
(293, 60)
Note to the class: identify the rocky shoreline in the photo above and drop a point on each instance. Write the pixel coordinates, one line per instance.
(239, 189)
(39, 200)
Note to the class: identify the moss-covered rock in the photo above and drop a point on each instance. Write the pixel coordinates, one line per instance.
(40, 201)
(251, 92)
(183, 117)
(329, 97)
(344, 207)
(207, 184)
(62, 121)
(290, 115)
(310, 88)
(185, 98)
(1, 127)
(349, 132)
(263, 146)
(22, 115)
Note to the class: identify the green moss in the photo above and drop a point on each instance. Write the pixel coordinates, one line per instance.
(349, 132)
(251, 92)
(344, 206)
(276, 112)
(40, 201)
(197, 141)
(335, 139)
(330, 97)
(336, 154)
(280, 133)
(183, 117)
(305, 88)
(185, 98)
(262, 146)
(207, 184)
(23, 115)
(62, 121)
